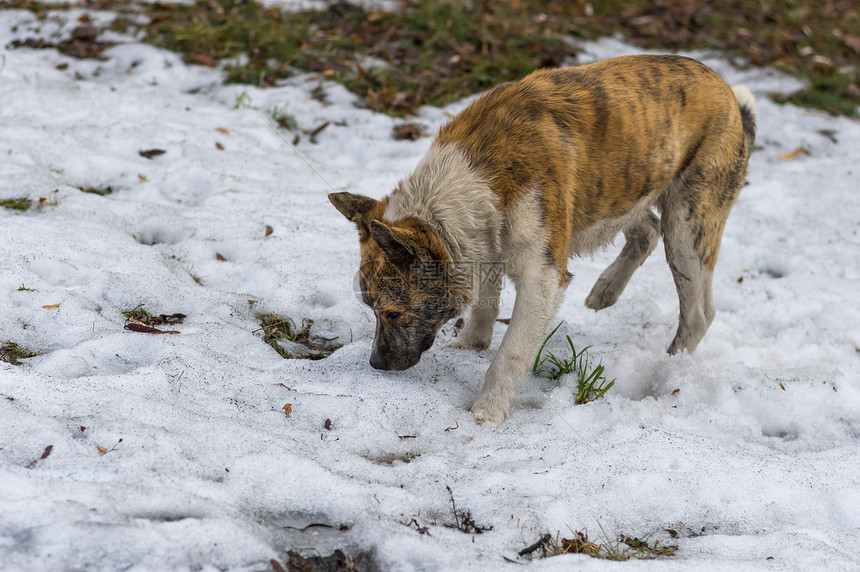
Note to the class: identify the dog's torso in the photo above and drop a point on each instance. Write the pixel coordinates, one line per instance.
(594, 142)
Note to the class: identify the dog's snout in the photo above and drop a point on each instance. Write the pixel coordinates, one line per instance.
(378, 362)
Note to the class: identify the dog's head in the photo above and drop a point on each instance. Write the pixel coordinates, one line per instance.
(406, 278)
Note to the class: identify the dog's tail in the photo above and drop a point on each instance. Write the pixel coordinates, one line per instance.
(746, 103)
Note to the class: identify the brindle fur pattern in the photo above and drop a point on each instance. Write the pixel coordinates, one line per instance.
(543, 169)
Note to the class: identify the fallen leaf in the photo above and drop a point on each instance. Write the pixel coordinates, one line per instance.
(327, 424)
(142, 178)
(459, 323)
(143, 328)
(676, 392)
(151, 153)
(101, 450)
(288, 409)
(793, 154)
(829, 133)
(409, 131)
(203, 60)
(504, 320)
(52, 306)
(222, 130)
(47, 451)
(220, 257)
(269, 230)
(219, 146)
(782, 386)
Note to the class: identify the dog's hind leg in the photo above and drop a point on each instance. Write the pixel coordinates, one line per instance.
(691, 242)
(641, 238)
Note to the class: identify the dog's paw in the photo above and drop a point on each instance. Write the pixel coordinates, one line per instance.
(466, 342)
(484, 410)
(604, 294)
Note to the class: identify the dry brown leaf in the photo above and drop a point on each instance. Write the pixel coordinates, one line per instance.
(142, 178)
(269, 230)
(219, 146)
(52, 306)
(409, 131)
(143, 328)
(288, 409)
(223, 130)
(102, 450)
(220, 257)
(794, 154)
(203, 60)
(151, 153)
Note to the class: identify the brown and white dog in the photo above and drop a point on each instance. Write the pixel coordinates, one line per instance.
(537, 171)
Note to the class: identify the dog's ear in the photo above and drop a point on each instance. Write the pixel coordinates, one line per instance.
(356, 208)
(400, 244)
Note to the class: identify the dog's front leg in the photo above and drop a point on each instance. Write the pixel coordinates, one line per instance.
(538, 297)
(478, 331)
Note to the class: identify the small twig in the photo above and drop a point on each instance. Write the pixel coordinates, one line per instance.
(454, 507)
(541, 542)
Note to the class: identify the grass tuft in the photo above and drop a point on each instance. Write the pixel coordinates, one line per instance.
(591, 381)
(100, 191)
(624, 548)
(295, 342)
(11, 353)
(463, 519)
(18, 204)
(138, 314)
(310, 560)
(143, 316)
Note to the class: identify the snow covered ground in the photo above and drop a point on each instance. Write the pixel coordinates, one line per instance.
(749, 449)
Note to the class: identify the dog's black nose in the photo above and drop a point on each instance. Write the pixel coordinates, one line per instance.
(378, 362)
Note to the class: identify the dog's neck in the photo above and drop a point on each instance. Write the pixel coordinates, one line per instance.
(448, 194)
